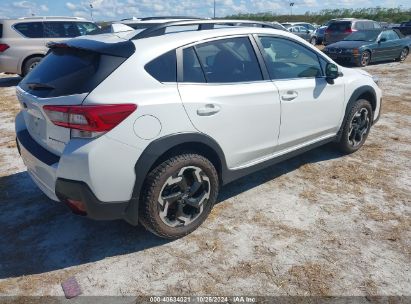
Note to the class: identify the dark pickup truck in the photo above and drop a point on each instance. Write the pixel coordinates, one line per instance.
(405, 28)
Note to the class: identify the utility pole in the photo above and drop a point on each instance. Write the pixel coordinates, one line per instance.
(214, 8)
(91, 11)
(291, 7)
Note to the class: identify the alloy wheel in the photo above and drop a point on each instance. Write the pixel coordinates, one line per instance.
(365, 58)
(404, 54)
(182, 197)
(359, 126)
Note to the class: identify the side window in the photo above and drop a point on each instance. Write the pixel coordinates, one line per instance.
(376, 25)
(384, 35)
(368, 25)
(393, 35)
(359, 25)
(163, 68)
(30, 29)
(86, 27)
(229, 60)
(61, 30)
(286, 59)
(192, 70)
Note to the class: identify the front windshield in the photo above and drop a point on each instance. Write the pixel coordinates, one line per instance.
(363, 36)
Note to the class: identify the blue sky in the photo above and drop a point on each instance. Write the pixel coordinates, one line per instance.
(117, 9)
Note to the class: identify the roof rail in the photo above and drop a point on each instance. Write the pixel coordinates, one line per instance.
(51, 17)
(170, 17)
(207, 24)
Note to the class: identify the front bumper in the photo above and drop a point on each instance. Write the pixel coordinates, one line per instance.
(343, 58)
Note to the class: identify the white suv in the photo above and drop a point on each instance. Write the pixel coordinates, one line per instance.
(23, 41)
(149, 126)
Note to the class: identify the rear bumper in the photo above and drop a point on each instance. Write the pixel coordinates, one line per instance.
(95, 209)
(42, 167)
(77, 176)
(41, 164)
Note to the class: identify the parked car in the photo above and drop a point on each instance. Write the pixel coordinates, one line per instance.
(23, 41)
(149, 127)
(318, 36)
(340, 29)
(405, 28)
(301, 32)
(364, 47)
(306, 25)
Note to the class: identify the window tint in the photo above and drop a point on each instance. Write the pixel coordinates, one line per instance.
(164, 68)
(229, 60)
(339, 26)
(286, 59)
(61, 30)
(68, 71)
(1, 30)
(192, 71)
(30, 29)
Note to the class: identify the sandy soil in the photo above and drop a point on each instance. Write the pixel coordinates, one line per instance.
(319, 224)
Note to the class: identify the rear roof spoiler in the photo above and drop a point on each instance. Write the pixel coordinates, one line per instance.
(124, 48)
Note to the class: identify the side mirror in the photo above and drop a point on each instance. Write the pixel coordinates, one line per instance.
(331, 71)
(382, 39)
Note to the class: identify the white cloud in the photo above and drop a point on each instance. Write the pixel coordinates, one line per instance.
(44, 8)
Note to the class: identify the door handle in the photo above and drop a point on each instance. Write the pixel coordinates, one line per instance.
(208, 110)
(290, 95)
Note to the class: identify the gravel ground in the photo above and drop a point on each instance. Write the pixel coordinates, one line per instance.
(319, 224)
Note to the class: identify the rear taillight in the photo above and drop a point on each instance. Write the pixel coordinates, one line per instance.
(98, 119)
(349, 31)
(3, 47)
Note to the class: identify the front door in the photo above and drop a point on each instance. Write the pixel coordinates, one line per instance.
(225, 96)
(311, 108)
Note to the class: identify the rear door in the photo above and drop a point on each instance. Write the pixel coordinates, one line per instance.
(226, 97)
(311, 108)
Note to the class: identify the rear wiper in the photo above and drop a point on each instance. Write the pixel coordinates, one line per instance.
(39, 86)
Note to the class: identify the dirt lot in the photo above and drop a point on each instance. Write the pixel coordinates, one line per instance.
(319, 224)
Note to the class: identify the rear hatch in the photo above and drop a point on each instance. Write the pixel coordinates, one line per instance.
(68, 73)
(337, 31)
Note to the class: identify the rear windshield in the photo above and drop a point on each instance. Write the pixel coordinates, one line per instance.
(339, 26)
(69, 71)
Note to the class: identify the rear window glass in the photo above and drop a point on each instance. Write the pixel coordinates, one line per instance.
(339, 26)
(164, 68)
(1, 30)
(30, 29)
(69, 71)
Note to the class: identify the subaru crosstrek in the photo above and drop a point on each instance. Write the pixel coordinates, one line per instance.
(147, 125)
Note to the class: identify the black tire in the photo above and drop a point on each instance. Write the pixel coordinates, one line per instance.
(159, 215)
(403, 55)
(365, 59)
(313, 41)
(357, 122)
(30, 64)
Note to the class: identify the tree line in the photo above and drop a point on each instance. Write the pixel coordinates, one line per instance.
(390, 15)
